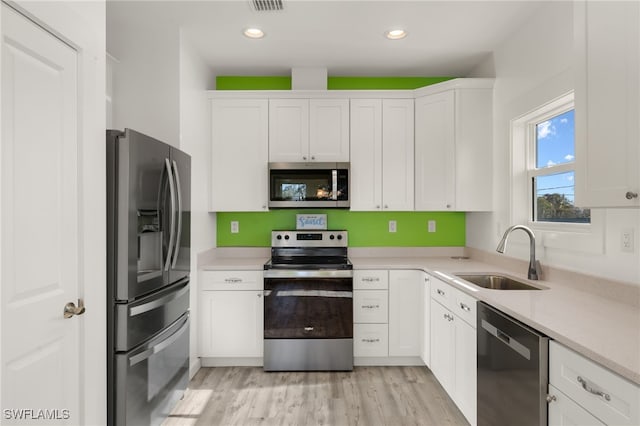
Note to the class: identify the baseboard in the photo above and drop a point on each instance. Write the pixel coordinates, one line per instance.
(231, 362)
(194, 366)
(362, 361)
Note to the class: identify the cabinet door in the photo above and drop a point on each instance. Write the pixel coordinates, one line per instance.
(397, 154)
(465, 369)
(435, 152)
(443, 346)
(239, 146)
(405, 312)
(607, 101)
(231, 323)
(329, 130)
(426, 319)
(564, 412)
(288, 130)
(366, 154)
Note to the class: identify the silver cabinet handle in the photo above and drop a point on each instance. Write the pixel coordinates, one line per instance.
(465, 307)
(70, 309)
(233, 280)
(370, 279)
(304, 158)
(631, 195)
(370, 340)
(440, 292)
(593, 391)
(370, 306)
(313, 158)
(551, 398)
(172, 195)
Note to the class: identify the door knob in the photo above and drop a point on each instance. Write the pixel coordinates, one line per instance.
(70, 309)
(631, 195)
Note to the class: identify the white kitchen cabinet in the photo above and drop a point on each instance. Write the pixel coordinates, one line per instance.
(454, 345)
(309, 130)
(425, 353)
(231, 314)
(371, 313)
(598, 391)
(382, 155)
(453, 150)
(563, 411)
(607, 103)
(239, 154)
(405, 312)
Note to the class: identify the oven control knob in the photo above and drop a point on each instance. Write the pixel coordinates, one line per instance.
(331, 237)
(339, 237)
(279, 237)
(286, 237)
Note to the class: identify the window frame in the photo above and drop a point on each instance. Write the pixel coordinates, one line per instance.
(576, 237)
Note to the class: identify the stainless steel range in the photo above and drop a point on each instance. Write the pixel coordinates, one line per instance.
(308, 302)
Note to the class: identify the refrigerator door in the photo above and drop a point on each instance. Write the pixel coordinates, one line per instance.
(181, 254)
(141, 195)
(153, 377)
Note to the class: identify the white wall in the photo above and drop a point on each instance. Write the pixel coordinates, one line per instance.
(533, 67)
(195, 78)
(146, 77)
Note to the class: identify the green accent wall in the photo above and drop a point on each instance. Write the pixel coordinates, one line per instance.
(228, 82)
(366, 229)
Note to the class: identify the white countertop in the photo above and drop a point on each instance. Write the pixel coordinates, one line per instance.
(603, 329)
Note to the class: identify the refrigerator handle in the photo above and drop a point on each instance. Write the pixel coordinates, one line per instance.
(172, 195)
(179, 227)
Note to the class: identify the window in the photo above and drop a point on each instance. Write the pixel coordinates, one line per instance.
(551, 155)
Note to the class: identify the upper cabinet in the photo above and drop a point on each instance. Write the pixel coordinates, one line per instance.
(453, 148)
(308, 130)
(239, 147)
(382, 133)
(607, 103)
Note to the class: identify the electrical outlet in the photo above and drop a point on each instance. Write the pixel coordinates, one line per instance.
(392, 226)
(235, 226)
(626, 240)
(431, 226)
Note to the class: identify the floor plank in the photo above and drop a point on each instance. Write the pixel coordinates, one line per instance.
(367, 396)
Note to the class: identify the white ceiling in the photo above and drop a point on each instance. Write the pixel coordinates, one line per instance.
(445, 38)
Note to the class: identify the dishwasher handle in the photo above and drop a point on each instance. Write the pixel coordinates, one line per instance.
(512, 343)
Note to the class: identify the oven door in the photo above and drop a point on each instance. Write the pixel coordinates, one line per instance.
(308, 305)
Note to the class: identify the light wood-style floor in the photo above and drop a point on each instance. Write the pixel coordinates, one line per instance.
(368, 396)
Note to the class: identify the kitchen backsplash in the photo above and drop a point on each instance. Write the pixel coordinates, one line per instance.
(366, 229)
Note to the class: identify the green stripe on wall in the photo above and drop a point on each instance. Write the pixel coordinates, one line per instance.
(229, 82)
(366, 229)
(381, 83)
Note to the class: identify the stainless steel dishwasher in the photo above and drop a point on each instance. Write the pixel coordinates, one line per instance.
(512, 371)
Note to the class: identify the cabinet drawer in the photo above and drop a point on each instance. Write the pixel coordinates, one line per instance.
(609, 397)
(231, 280)
(374, 279)
(442, 292)
(464, 306)
(563, 411)
(371, 340)
(370, 306)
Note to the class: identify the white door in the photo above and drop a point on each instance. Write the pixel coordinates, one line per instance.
(41, 260)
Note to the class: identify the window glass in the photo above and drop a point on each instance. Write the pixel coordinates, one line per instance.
(554, 196)
(554, 141)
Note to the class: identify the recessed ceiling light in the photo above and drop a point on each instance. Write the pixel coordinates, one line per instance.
(396, 34)
(253, 33)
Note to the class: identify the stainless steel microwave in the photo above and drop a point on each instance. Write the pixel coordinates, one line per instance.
(309, 185)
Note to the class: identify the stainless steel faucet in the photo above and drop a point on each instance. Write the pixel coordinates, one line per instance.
(535, 271)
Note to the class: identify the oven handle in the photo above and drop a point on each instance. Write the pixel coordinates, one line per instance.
(320, 273)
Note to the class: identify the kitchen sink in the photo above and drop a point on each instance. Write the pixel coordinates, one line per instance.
(498, 282)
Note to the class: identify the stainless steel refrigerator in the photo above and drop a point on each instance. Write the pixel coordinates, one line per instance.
(148, 267)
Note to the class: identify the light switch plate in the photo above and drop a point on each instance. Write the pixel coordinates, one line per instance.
(431, 226)
(392, 226)
(235, 226)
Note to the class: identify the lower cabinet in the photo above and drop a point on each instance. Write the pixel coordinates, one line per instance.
(388, 314)
(231, 314)
(453, 345)
(582, 392)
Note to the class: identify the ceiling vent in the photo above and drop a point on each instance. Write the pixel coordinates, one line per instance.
(265, 5)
